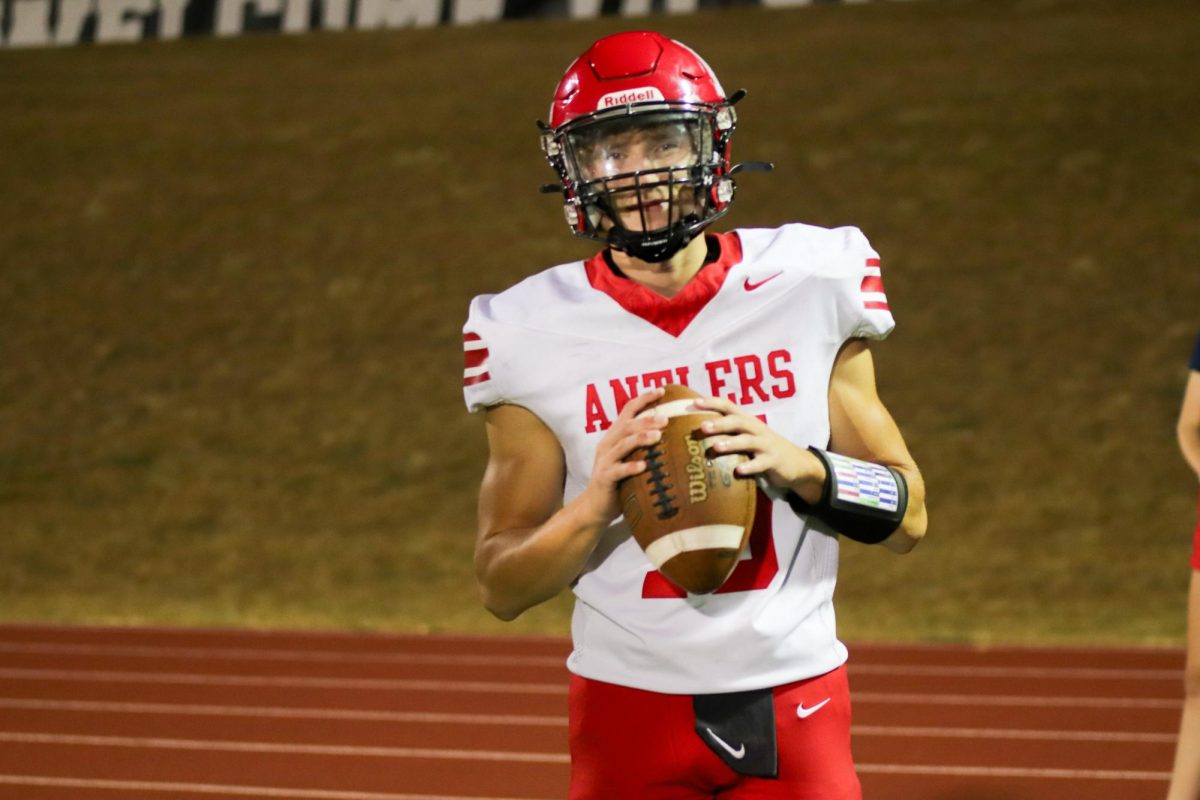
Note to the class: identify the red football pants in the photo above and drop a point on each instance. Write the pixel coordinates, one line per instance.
(629, 744)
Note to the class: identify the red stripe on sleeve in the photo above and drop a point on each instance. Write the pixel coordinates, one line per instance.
(872, 262)
(872, 283)
(474, 358)
(480, 378)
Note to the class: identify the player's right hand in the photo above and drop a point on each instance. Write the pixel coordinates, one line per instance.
(627, 434)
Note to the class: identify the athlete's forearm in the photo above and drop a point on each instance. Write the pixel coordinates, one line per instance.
(1187, 428)
(519, 568)
(1189, 445)
(916, 520)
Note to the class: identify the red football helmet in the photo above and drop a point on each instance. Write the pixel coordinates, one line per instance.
(639, 135)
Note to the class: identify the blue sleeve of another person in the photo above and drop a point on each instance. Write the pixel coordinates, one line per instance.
(1195, 362)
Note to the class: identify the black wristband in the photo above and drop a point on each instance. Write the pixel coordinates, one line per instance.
(862, 501)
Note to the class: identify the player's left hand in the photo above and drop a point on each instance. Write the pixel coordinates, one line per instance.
(780, 462)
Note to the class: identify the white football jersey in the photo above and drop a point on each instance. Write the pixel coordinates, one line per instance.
(760, 326)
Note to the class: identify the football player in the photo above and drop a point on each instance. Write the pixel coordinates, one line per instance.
(741, 692)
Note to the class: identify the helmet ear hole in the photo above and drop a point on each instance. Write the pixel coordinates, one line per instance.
(723, 191)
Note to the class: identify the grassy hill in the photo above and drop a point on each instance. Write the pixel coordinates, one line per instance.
(233, 275)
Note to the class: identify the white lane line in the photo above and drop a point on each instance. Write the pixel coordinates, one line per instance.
(225, 790)
(541, 758)
(512, 687)
(1030, 734)
(280, 712)
(218, 653)
(532, 720)
(1059, 701)
(321, 794)
(219, 745)
(1013, 772)
(1045, 673)
(203, 679)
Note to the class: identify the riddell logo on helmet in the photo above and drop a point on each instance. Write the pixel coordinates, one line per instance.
(629, 96)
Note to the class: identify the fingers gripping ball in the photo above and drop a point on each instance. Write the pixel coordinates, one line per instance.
(689, 512)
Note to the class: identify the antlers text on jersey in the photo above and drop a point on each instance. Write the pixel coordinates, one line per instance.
(743, 379)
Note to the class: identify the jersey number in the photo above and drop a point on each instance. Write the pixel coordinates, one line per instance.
(749, 575)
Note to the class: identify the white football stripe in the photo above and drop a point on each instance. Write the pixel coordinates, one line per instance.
(675, 408)
(474, 344)
(703, 537)
(471, 372)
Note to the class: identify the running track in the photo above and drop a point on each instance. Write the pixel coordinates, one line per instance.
(152, 714)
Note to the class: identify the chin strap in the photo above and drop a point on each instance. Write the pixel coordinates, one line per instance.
(654, 252)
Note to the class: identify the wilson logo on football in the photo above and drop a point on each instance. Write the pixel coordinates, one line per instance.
(629, 96)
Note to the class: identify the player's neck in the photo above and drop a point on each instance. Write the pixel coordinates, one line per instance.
(667, 277)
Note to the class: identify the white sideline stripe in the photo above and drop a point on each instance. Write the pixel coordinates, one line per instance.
(493, 687)
(320, 794)
(1013, 772)
(1027, 734)
(293, 656)
(1065, 673)
(701, 537)
(201, 679)
(220, 745)
(182, 709)
(543, 758)
(278, 712)
(225, 789)
(1013, 700)
(319, 638)
(264, 654)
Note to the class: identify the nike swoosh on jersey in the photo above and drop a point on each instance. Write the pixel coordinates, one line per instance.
(750, 287)
(805, 713)
(739, 753)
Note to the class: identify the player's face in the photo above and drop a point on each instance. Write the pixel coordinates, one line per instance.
(646, 168)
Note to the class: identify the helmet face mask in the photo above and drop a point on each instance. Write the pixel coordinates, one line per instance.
(641, 179)
(640, 141)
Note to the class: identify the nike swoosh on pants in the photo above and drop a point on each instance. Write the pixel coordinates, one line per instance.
(739, 753)
(805, 713)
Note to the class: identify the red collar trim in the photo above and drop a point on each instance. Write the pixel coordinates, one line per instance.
(671, 314)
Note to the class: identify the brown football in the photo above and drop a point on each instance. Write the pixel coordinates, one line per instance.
(689, 512)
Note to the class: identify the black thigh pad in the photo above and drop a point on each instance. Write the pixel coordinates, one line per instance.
(740, 728)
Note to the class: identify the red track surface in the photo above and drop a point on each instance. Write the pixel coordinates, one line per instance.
(137, 714)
